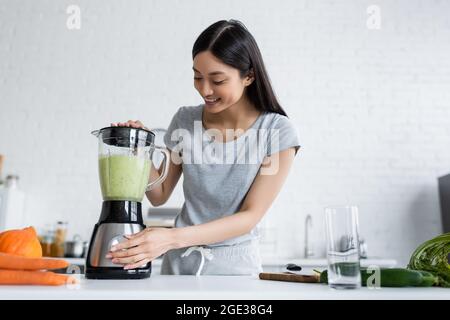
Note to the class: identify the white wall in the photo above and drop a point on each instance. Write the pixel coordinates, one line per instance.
(372, 106)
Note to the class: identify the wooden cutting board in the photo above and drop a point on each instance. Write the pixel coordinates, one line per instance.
(291, 277)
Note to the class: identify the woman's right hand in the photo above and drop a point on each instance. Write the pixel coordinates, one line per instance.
(130, 123)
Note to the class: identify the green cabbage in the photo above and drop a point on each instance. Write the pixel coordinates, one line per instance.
(432, 256)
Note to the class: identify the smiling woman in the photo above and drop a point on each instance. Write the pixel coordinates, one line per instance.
(216, 231)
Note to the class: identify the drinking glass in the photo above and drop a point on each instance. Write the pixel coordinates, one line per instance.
(343, 247)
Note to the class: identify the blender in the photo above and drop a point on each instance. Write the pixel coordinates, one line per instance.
(124, 164)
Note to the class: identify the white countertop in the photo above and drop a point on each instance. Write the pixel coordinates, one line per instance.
(210, 288)
(217, 287)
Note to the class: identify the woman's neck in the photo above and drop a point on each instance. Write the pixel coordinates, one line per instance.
(241, 115)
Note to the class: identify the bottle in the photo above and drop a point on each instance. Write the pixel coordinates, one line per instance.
(12, 201)
(57, 249)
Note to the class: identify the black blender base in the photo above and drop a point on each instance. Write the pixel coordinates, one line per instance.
(117, 273)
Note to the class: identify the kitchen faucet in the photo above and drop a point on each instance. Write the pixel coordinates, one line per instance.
(308, 224)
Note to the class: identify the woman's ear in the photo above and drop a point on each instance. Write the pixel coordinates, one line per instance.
(249, 78)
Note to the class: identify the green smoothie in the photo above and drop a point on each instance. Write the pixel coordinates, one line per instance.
(124, 177)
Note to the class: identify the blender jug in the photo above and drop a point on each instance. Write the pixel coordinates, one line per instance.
(125, 161)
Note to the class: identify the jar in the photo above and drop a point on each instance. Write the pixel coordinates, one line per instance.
(46, 244)
(57, 249)
(46, 238)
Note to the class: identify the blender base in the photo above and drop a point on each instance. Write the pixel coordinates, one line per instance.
(118, 218)
(117, 273)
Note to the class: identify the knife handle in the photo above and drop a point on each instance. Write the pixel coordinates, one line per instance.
(290, 277)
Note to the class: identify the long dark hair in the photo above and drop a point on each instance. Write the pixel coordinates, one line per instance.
(233, 44)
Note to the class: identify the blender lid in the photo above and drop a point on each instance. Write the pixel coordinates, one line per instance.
(125, 136)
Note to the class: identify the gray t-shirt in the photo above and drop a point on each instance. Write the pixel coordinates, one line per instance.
(218, 175)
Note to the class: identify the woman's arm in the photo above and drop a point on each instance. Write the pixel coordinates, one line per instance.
(260, 197)
(159, 194)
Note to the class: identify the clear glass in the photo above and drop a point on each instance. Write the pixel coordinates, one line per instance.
(343, 247)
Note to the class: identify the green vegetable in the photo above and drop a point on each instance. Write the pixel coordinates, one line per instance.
(429, 279)
(391, 277)
(432, 256)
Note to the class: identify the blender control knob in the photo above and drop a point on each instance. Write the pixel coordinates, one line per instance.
(116, 240)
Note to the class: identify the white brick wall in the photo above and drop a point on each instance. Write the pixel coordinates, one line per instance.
(372, 106)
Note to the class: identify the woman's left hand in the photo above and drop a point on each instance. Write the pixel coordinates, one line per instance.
(142, 247)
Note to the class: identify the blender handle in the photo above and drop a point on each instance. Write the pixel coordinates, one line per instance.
(166, 163)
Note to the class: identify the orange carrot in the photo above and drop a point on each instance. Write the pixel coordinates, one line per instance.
(19, 277)
(14, 262)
